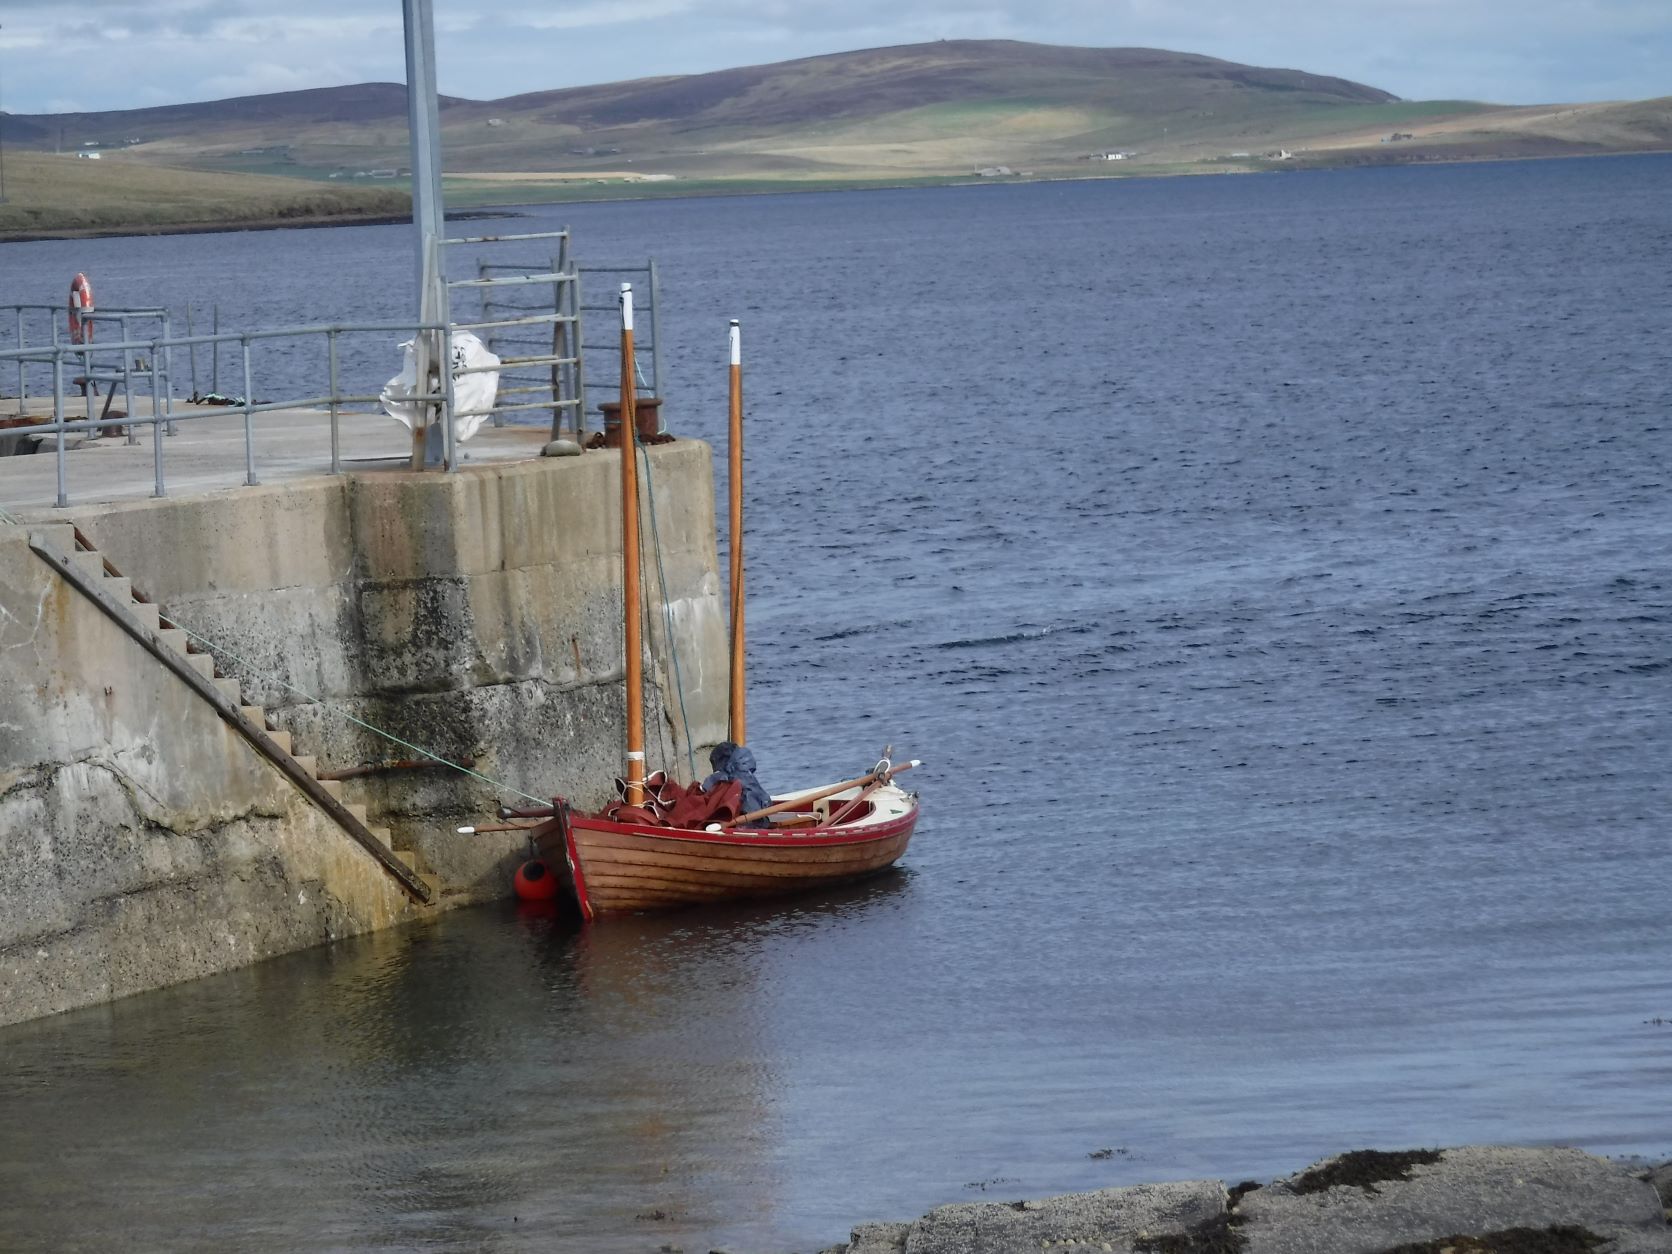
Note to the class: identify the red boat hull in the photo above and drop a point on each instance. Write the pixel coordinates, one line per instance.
(621, 868)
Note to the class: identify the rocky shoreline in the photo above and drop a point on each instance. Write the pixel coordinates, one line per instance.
(1468, 1200)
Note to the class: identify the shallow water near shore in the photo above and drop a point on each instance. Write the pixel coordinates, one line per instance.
(1274, 572)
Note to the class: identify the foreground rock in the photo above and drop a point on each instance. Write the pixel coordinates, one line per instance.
(1473, 1200)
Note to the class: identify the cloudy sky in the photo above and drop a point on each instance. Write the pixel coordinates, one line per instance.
(60, 55)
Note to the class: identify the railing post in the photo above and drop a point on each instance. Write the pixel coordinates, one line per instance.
(560, 343)
(127, 388)
(192, 347)
(156, 424)
(449, 430)
(656, 343)
(168, 373)
(215, 367)
(331, 354)
(89, 390)
(58, 415)
(22, 378)
(249, 427)
(580, 360)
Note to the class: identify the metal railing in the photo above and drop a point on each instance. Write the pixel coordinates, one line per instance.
(151, 369)
(543, 369)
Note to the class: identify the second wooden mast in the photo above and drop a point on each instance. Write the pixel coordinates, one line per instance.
(634, 640)
(734, 483)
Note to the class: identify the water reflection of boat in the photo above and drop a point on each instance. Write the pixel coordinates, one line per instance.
(662, 845)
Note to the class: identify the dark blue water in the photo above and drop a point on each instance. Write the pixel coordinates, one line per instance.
(1274, 572)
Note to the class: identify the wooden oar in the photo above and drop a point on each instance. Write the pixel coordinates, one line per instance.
(855, 803)
(873, 778)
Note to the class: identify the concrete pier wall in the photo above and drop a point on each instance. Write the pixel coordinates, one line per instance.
(473, 614)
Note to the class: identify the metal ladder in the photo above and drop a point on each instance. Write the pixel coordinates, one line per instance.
(532, 364)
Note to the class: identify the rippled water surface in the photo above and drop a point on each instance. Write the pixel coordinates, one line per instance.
(1274, 572)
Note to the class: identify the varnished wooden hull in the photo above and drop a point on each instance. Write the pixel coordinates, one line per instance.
(619, 868)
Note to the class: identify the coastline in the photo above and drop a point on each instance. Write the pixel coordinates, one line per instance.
(709, 189)
(1472, 1199)
(252, 224)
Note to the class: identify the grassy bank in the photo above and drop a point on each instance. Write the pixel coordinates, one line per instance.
(50, 196)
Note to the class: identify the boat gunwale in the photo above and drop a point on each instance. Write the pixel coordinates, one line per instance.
(808, 838)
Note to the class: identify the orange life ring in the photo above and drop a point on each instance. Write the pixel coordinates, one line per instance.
(81, 309)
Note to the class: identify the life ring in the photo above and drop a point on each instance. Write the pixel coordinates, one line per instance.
(81, 310)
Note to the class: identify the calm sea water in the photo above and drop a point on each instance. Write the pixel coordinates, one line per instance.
(1274, 572)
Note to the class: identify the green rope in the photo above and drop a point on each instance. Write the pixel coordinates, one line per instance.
(389, 736)
(667, 611)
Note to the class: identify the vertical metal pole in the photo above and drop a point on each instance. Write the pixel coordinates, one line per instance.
(559, 345)
(580, 359)
(168, 373)
(565, 379)
(190, 334)
(331, 354)
(490, 310)
(249, 427)
(58, 415)
(89, 389)
(127, 386)
(449, 433)
(156, 425)
(656, 343)
(215, 370)
(22, 379)
(427, 214)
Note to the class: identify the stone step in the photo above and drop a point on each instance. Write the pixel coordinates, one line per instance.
(119, 587)
(433, 881)
(91, 563)
(382, 834)
(256, 715)
(307, 763)
(358, 811)
(202, 663)
(229, 689)
(333, 786)
(175, 639)
(147, 615)
(407, 856)
(280, 738)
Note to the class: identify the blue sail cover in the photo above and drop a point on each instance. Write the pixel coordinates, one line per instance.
(733, 761)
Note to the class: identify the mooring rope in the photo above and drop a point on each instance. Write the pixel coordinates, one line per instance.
(667, 610)
(258, 673)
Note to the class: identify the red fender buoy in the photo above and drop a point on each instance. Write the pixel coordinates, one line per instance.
(81, 309)
(535, 882)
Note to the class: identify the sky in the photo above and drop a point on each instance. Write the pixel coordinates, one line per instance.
(70, 55)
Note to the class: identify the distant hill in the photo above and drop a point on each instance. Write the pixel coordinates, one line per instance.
(955, 109)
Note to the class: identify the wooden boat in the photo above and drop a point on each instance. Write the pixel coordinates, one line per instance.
(629, 857)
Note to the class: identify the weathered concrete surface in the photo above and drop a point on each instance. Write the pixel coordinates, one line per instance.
(1474, 1190)
(142, 842)
(469, 614)
(474, 614)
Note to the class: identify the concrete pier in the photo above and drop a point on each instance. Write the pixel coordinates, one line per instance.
(470, 614)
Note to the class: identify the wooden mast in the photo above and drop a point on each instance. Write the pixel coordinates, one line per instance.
(739, 726)
(630, 558)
